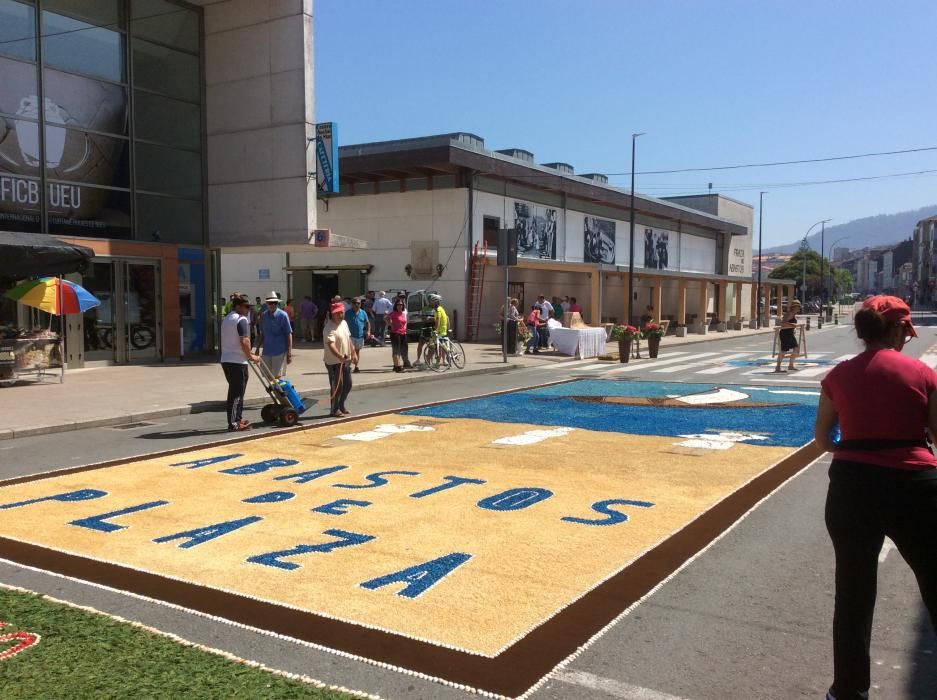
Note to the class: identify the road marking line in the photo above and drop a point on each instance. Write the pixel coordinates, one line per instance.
(843, 358)
(690, 365)
(887, 546)
(658, 362)
(929, 359)
(614, 688)
(592, 366)
(812, 371)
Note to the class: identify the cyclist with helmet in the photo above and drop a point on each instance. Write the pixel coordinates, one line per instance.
(439, 324)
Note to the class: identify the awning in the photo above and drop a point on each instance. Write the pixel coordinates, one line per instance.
(34, 254)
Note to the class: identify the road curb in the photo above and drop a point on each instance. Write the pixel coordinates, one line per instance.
(210, 406)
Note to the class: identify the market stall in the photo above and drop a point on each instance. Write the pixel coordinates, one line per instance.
(36, 351)
(38, 354)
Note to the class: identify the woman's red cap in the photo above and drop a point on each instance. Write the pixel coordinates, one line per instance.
(335, 308)
(892, 308)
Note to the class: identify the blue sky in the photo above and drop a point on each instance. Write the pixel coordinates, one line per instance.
(712, 83)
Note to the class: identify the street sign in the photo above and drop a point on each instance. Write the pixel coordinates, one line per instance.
(327, 158)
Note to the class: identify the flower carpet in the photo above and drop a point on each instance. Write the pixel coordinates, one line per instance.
(480, 542)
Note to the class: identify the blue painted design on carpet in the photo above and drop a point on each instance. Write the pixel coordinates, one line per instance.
(794, 412)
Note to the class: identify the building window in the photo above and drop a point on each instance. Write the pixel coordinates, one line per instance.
(80, 47)
(443, 181)
(17, 30)
(165, 23)
(168, 170)
(171, 220)
(415, 183)
(387, 186)
(167, 121)
(490, 226)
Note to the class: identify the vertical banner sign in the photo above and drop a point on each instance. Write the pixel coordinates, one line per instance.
(327, 158)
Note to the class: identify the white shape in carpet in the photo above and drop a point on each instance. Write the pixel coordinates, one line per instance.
(384, 430)
(716, 441)
(532, 437)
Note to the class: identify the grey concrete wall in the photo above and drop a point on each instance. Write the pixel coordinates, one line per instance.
(260, 111)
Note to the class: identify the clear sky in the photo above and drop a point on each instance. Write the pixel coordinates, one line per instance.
(711, 82)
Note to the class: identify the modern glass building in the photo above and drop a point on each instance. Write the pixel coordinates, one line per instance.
(110, 113)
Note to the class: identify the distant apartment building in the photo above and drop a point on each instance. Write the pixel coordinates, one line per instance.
(922, 260)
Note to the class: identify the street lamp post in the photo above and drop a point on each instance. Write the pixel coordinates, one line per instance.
(806, 247)
(758, 302)
(832, 246)
(634, 138)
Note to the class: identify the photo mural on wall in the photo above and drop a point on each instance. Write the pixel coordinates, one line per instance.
(76, 110)
(656, 249)
(598, 241)
(536, 231)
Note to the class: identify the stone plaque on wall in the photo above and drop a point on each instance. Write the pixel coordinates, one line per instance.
(424, 256)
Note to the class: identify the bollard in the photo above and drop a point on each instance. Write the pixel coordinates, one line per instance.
(819, 321)
(835, 319)
(808, 323)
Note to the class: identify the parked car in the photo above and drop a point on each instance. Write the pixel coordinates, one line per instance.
(419, 313)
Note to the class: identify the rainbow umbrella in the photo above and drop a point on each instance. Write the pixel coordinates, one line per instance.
(54, 295)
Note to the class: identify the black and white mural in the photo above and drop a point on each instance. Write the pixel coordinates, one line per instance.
(536, 231)
(656, 249)
(598, 241)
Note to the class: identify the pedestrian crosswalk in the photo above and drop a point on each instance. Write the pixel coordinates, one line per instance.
(753, 364)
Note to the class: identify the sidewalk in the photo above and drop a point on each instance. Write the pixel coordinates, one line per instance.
(122, 394)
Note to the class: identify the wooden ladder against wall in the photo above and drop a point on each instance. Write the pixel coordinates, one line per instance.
(476, 285)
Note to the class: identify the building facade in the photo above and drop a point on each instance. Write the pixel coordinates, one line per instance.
(429, 211)
(154, 131)
(923, 260)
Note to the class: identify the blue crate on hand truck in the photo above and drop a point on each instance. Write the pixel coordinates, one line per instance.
(287, 404)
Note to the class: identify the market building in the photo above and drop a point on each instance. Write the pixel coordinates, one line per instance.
(429, 211)
(155, 132)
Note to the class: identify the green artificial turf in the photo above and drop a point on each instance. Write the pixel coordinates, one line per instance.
(86, 655)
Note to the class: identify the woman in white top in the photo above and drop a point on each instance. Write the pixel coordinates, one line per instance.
(339, 355)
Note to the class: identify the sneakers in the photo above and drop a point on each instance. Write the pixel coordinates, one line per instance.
(243, 425)
(355, 370)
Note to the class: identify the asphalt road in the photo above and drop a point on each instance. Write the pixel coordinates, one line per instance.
(750, 617)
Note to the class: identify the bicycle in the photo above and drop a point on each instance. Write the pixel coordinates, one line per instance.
(442, 352)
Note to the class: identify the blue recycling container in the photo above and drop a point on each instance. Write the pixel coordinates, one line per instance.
(296, 401)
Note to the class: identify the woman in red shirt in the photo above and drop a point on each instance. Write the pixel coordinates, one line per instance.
(883, 479)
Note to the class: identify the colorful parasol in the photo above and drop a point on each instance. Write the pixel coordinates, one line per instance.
(54, 295)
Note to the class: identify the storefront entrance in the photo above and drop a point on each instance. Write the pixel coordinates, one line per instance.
(127, 326)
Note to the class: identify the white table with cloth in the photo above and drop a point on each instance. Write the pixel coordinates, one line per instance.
(583, 342)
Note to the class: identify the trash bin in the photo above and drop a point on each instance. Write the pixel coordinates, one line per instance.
(512, 337)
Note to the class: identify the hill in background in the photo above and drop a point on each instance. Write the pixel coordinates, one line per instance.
(872, 231)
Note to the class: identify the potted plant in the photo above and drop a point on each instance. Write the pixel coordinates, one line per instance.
(625, 335)
(652, 332)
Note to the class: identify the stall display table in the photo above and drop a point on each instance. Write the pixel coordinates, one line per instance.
(31, 355)
(581, 342)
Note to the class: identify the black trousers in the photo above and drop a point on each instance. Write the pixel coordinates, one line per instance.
(398, 345)
(866, 503)
(339, 385)
(236, 374)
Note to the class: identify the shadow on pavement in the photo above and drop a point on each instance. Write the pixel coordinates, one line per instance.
(923, 681)
(178, 434)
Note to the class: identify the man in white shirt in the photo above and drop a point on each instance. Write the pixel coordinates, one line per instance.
(235, 354)
(382, 306)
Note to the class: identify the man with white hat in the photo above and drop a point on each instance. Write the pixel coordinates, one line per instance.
(276, 336)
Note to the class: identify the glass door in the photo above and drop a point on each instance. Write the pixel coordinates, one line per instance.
(99, 322)
(142, 319)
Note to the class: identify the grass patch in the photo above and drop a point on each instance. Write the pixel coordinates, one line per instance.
(87, 655)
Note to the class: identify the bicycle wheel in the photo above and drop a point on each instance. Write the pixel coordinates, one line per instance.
(432, 359)
(457, 354)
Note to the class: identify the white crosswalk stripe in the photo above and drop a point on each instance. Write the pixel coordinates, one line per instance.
(690, 365)
(592, 367)
(658, 363)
